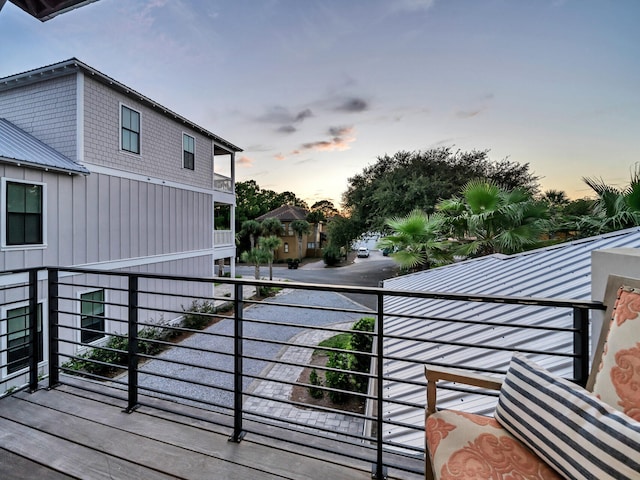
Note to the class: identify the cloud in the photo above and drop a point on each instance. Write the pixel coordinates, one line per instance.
(340, 140)
(245, 161)
(469, 113)
(283, 116)
(413, 5)
(353, 105)
(286, 129)
(342, 137)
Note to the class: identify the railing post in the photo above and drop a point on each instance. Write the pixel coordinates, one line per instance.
(379, 471)
(581, 345)
(54, 357)
(237, 365)
(133, 344)
(34, 340)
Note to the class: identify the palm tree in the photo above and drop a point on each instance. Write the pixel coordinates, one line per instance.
(270, 244)
(252, 228)
(487, 219)
(416, 240)
(300, 227)
(271, 226)
(256, 256)
(314, 218)
(615, 208)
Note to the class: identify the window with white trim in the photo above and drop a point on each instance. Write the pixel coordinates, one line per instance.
(92, 316)
(188, 151)
(19, 338)
(130, 130)
(23, 213)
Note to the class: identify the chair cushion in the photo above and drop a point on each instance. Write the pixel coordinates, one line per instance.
(577, 434)
(617, 381)
(467, 446)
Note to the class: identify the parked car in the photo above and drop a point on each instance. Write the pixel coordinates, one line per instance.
(363, 252)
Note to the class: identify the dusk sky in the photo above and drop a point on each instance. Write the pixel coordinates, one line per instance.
(314, 91)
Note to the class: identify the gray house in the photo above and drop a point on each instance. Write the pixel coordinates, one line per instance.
(94, 174)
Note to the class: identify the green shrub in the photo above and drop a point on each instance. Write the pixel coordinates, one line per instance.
(363, 342)
(331, 255)
(197, 316)
(314, 379)
(341, 381)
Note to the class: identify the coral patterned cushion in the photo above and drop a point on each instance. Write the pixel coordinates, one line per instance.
(617, 382)
(466, 446)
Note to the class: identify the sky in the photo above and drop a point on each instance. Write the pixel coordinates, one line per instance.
(313, 91)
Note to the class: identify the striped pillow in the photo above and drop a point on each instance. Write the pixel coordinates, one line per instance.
(578, 435)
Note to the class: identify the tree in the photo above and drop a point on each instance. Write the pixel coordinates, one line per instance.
(300, 227)
(488, 219)
(253, 229)
(393, 186)
(342, 231)
(270, 244)
(271, 226)
(615, 208)
(314, 218)
(417, 240)
(253, 201)
(256, 256)
(326, 207)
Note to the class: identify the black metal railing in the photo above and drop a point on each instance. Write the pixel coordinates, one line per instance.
(241, 357)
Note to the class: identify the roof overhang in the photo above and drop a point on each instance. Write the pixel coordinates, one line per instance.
(45, 10)
(73, 65)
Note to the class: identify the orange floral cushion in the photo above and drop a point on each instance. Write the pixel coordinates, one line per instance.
(463, 446)
(617, 382)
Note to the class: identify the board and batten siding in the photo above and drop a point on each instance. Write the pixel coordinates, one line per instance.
(101, 218)
(160, 139)
(45, 110)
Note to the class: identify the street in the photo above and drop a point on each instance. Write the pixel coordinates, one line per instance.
(363, 272)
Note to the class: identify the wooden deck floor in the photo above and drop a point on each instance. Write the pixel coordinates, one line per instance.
(70, 433)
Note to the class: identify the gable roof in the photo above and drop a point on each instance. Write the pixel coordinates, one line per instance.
(285, 213)
(20, 148)
(73, 65)
(560, 271)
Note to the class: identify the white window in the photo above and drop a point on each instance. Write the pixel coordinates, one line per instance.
(286, 247)
(188, 151)
(23, 215)
(92, 307)
(129, 129)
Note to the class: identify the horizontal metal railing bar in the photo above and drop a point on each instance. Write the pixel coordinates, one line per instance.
(558, 302)
(392, 315)
(91, 376)
(179, 362)
(163, 394)
(311, 307)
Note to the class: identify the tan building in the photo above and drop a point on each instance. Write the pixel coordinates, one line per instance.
(311, 243)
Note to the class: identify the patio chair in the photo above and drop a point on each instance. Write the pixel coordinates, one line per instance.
(545, 427)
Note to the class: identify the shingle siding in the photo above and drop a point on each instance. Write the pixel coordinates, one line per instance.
(160, 140)
(46, 110)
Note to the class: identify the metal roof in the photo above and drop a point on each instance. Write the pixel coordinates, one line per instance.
(73, 65)
(22, 149)
(562, 271)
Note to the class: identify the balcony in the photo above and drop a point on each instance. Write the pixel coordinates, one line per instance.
(222, 183)
(216, 402)
(223, 238)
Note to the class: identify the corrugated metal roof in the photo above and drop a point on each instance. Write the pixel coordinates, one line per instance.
(21, 148)
(562, 271)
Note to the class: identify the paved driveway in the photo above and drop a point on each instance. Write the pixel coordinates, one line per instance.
(218, 337)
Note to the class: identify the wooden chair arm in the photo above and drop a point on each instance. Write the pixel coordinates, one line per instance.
(434, 374)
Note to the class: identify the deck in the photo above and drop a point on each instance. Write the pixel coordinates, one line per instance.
(68, 432)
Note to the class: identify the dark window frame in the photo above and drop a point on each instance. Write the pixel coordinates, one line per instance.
(188, 152)
(22, 226)
(130, 129)
(92, 316)
(18, 347)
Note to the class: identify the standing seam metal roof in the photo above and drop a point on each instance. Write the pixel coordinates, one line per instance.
(20, 148)
(562, 271)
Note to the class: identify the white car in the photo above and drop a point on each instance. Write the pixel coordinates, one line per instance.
(363, 252)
